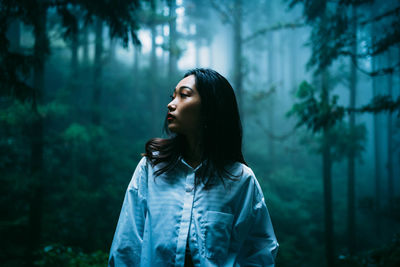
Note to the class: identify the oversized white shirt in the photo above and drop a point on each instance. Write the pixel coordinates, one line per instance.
(226, 225)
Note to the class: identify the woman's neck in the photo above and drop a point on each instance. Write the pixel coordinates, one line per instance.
(193, 151)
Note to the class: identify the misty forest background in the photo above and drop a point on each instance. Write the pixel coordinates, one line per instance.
(84, 84)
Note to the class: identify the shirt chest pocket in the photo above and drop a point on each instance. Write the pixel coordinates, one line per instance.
(216, 230)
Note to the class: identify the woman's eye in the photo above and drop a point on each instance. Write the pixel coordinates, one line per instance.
(184, 95)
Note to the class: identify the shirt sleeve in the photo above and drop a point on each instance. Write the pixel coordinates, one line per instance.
(127, 243)
(260, 246)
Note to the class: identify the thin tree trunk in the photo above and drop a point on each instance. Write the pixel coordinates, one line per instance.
(398, 119)
(97, 73)
(293, 59)
(327, 179)
(281, 59)
(74, 54)
(37, 166)
(85, 56)
(153, 69)
(136, 60)
(237, 52)
(112, 48)
(390, 141)
(173, 57)
(210, 54)
(351, 235)
(294, 83)
(377, 159)
(197, 53)
(14, 35)
(95, 173)
(271, 81)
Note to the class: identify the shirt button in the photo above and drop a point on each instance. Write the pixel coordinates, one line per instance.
(189, 189)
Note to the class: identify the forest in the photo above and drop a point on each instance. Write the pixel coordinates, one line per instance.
(84, 84)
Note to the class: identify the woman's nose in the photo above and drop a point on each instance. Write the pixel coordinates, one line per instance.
(171, 106)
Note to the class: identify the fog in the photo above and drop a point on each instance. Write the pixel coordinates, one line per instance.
(318, 88)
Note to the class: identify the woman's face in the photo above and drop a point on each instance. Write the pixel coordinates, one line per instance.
(184, 109)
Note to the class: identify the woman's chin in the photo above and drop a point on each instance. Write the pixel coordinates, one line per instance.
(172, 128)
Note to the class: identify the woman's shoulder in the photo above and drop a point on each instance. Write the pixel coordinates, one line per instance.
(140, 173)
(241, 170)
(143, 165)
(143, 162)
(246, 177)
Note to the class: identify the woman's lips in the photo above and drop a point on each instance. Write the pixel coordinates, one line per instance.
(170, 117)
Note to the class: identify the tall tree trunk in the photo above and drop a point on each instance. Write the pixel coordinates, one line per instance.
(37, 166)
(281, 59)
(153, 69)
(293, 59)
(210, 54)
(377, 158)
(351, 235)
(74, 54)
(271, 82)
(85, 54)
(327, 179)
(237, 53)
(197, 53)
(95, 177)
(14, 35)
(136, 60)
(112, 50)
(390, 140)
(293, 54)
(173, 48)
(97, 73)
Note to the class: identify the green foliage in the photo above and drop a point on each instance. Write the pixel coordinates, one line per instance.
(380, 103)
(387, 255)
(331, 36)
(54, 109)
(305, 90)
(16, 66)
(334, 27)
(80, 134)
(292, 198)
(14, 69)
(60, 255)
(313, 112)
(76, 133)
(86, 167)
(346, 141)
(16, 113)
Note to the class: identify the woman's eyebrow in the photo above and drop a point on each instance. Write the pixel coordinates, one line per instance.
(180, 88)
(185, 87)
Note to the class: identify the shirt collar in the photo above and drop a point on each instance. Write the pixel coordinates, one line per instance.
(190, 167)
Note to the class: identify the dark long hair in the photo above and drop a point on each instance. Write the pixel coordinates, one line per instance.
(222, 131)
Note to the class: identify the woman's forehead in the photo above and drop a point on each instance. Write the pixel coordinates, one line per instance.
(188, 81)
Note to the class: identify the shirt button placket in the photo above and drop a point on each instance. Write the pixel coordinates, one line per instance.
(186, 216)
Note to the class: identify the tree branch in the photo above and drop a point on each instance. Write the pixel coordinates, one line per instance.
(378, 104)
(379, 72)
(273, 136)
(226, 17)
(276, 27)
(395, 12)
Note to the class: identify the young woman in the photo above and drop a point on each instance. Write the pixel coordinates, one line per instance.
(192, 200)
